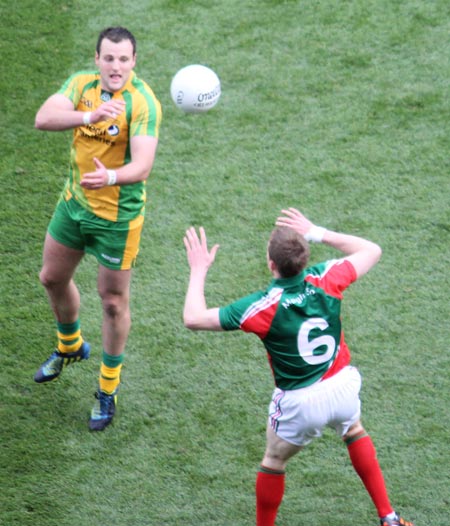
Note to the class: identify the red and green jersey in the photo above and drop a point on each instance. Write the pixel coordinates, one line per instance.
(299, 322)
(109, 141)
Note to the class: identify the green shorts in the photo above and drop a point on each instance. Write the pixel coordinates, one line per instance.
(114, 244)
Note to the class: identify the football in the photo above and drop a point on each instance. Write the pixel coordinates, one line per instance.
(195, 89)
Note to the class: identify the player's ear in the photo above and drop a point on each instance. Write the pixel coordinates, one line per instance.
(272, 267)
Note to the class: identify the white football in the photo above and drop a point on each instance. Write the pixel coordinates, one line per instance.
(195, 89)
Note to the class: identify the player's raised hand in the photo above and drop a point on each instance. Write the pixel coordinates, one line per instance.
(293, 218)
(198, 255)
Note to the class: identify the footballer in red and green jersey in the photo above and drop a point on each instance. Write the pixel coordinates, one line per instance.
(109, 142)
(298, 320)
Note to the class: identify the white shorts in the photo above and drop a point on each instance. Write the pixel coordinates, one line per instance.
(300, 415)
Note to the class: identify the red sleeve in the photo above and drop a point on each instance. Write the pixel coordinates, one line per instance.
(336, 278)
(260, 321)
(259, 315)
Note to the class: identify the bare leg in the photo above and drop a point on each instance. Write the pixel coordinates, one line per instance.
(58, 268)
(270, 478)
(278, 451)
(114, 291)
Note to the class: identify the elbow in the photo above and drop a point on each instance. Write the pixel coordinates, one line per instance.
(196, 323)
(377, 252)
(189, 322)
(39, 122)
(146, 170)
(145, 175)
(44, 120)
(191, 326)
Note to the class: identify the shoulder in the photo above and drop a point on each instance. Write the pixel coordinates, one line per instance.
(333, 276)
(80, 80)
(84, 76)
(247, 309)
(243, 302)
(336, 266)
(146, 113)
(140, 86)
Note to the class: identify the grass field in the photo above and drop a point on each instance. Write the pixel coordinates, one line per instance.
(338, 108)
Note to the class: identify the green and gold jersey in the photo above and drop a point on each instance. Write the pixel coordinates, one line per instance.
(109, 141)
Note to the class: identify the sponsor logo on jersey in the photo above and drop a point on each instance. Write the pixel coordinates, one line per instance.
(113, 130)
(86, 102)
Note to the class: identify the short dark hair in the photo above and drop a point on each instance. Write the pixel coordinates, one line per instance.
(116, 34)
(288, 250)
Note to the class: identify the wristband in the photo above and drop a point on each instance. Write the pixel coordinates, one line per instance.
(87, 117)
(112, 177)
(315, 234)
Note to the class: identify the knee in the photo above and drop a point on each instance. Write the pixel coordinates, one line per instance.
(274, 461)
(114, 306)
(277, 456)
(47, 279)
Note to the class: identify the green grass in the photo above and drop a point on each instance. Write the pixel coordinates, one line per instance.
(338, 108)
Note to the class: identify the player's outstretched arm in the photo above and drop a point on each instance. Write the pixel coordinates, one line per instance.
(362, 253)
(196, 315)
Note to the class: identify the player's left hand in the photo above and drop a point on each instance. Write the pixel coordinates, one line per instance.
(97, 179)
(294, 219)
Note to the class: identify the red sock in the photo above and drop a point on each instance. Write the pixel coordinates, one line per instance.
(364, 459)
(269, 494)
